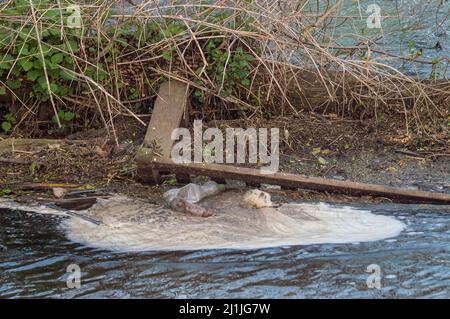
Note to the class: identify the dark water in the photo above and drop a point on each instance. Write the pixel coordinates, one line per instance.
(34, 255)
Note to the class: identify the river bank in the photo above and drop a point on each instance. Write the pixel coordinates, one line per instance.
(311, 145)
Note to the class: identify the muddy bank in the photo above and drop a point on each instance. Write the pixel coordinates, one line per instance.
(311, 145)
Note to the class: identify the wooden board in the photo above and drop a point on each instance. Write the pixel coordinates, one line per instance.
(169, 110)
(250, 175)
(167, 115)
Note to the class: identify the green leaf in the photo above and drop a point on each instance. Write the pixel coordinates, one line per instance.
(316, 150)
(6, 126)
(5, 191)
(26, 65)
(50, 13)
(54, 87)
(14, 84)
(42, 82)
(69, 116)
(411, 44)
(57, 58)
(9, 117)
(171, 181)
(245, 82)
(65, 75)
(63, 91)
(37, 64)
(21, 5)
(249, 57)
(33, 168)
(24, 50)
(50, 65)
(32, 75)
(243, 63)
(322, 161)
(166, 33)
(166, 55)
(2, 90)
(5, 61)
(4, 65)
(73, 45)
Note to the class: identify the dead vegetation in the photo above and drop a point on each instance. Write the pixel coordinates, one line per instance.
(243, 59)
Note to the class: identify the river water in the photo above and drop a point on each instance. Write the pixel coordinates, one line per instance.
(406, 27)
(35, 250)
(35, 253)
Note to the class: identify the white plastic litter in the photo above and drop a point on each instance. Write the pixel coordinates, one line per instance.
(193, 193)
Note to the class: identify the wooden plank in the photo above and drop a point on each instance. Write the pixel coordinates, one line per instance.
(167, 115)
(250, 175)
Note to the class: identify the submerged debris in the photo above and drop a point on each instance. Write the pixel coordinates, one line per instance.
(183, 199)
(258, 199)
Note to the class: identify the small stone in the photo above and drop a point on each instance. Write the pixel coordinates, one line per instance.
(59, 192)
(100, 152)
(53, 146)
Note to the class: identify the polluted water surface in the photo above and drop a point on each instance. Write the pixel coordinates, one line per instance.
(128, 224)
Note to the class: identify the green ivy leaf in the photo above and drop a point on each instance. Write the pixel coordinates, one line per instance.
(5, 61)
(166, 33)
(65, 75)
(4, 65)
(57, 58)
(63, 91)
(9, 117)
(243, 63)
(22, 6)
(32, 75)
(166, 55)
(69, 116)
(2, 90)
(14, 84)
(5, 191)
(6, 126)
(50, 65)
(26, 65)
(37, 64)
(245, 82)
(50, 13)
(54, 87)
(24, 50)
(42, 82)
(73, 45)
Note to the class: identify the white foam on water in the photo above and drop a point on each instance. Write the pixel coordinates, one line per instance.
(31, 207)
(134, 225)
